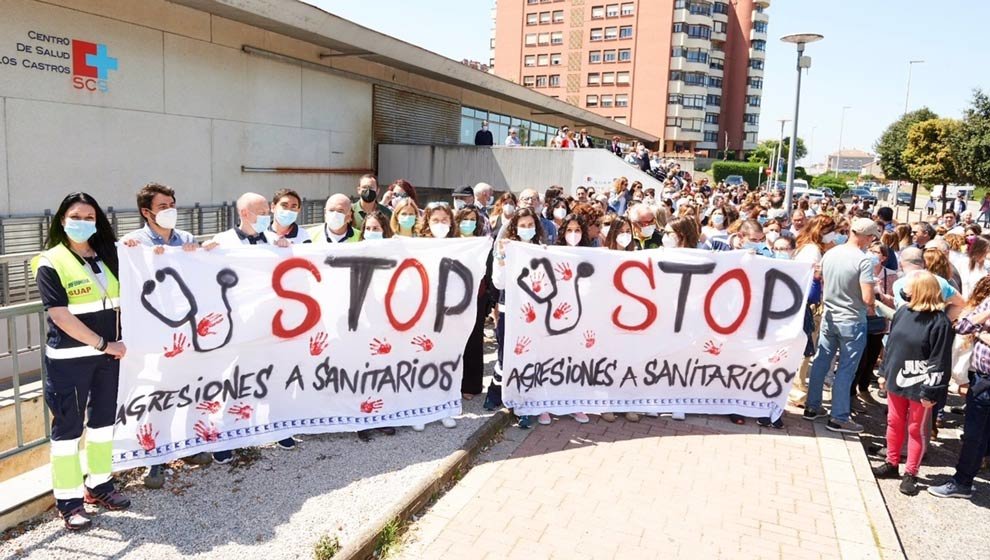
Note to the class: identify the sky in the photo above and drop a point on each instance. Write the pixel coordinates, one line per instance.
(862, 62)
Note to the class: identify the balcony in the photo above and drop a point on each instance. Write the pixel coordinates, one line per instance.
(721, 37)
(749, 145)
(749, 127)
(714, 71)
(750, 90)
(757, 16)
(753, 53)
(755, 72)
(682, 111)
(716, 16)
(678, 86)
(754, 34)
(713, 108)
(682, 63)
(685, 16)
(682, 40)
(678, 133)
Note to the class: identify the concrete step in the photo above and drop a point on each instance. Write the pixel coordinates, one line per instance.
(25, 496)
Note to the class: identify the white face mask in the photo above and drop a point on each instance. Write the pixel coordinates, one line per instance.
(623, 239)
(458, 204)
(167, 218)
(772, 236)
(573, 238)
(829, 237)
(439, 231)
(335, 219)
(605, 230)
(559, 213)
(508, 210)
(648, 231)
(670, 240)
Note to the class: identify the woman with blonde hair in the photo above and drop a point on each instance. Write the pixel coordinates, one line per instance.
(620, 197)
(938, 264)
(816, 237)
(404, 218)
(903, 232)
(916, 367)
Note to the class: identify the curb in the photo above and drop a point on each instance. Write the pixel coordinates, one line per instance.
(363, 547)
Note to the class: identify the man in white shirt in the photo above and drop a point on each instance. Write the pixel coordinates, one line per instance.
(512, 139)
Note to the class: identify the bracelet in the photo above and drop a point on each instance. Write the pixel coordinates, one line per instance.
(102, 345)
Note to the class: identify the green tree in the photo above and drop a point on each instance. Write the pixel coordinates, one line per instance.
(972, 142)
(765, 150)
(929, 155)
(890, 148)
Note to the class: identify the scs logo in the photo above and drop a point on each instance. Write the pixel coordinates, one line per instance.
(91, 66)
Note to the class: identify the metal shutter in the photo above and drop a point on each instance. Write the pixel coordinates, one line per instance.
(402, 117)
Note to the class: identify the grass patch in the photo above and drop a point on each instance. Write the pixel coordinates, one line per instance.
(326, 548)
(387, 539)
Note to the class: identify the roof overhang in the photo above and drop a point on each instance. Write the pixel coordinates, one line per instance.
(308, 23)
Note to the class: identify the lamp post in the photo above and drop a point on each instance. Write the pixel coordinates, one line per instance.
(838, 155)
(800, 39)
(779, 152)
(907, 95)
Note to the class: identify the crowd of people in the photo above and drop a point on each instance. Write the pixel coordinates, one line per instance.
(911, 301)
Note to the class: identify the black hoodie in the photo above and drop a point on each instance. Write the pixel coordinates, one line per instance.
(918, 354)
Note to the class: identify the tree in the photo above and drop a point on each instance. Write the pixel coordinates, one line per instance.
(972, 142)
(890, 148)
(929, 156)
(765, 150)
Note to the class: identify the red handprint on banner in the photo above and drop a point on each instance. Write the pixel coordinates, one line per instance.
(145, 438)
(564, 271)
(179, 343)
(207, 432)
(778, 356)
(589, 339)
(208, 407)
(712, 348)
(561, 311)
(537, 282)
(317, 344)
(241, 411)
(370, 406)
(522, 345)
(425, 344)
(379, 347)
(529, 314)
(206, 324)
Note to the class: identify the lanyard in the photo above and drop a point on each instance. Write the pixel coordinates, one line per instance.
(88, 268)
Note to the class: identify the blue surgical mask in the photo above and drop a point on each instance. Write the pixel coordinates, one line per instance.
(467, 227)
(369, 234)
(261, 223)
(407, 221)
(874, 259)
(841, 238)
(526, 234)
(79, 230)
(718, 219)
(755, 246)
(762, 220)
(286, 217)
(781, 255)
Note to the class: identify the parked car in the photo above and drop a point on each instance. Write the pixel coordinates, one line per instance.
(827, 191)
(812, 194)
(863, 194)
(734, 180)
(903, 198)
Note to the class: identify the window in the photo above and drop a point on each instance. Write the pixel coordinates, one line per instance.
(693, 55)
(759, 45)
(609, 56)
(529, 60)
(529, 81)
(554, 59)
(625, 32)
(760, 27)
(612, 10)
(594, 79)
(597, 12)
(755, 83)
(700, 8)
(750, 138)
(717, 64)
(606, 101)
(595, 57)
(622, 100)
(695, 78)
(557, 38)
(611, 33)
(541, 81)
(558, 16)
(714, 82)
(544, 39)
(544, 17)
(694, 31)
(711, 118)
(555, 80)
(675, 99)
(596, 34)
(608, 78)
(543, 60)
(625, 55)
(622, 78)
(531, 19)
(620, 120)
(720, 8)
(753, 100)
(711, 136)
(532, 1)
(628, 9)
(713, 100)
(694, 101)
(756, 64)
(720, 27)
(685, 124)
(751, 118)
(530, 39)
(591, 101)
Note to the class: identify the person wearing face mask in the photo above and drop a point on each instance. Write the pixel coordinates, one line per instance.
(404, 219)
(715, 229)
(286, 205)
(484, 198)
(753, 238)
(772, 231)
(484, 136)
(683, 233)
(502, 212)
(620, 235)
(783, 248)
(255, 219)
(529, 198)
(156, 203)
(465, 196)
(645, 232)
(366, 203)
(560, 210)
(76, 276)
(338, 227)
(575, 233)
(468, 220)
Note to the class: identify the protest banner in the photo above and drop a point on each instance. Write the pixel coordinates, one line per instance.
(244, 346)
(664, 330)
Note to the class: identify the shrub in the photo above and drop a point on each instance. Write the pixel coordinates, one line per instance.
(750, 171)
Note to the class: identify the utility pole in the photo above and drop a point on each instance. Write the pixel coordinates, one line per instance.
(838, 155)
(907, 94)
(779, 151)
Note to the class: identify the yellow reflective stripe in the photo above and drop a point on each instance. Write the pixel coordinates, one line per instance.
(69, 353)
(66, 473)
(98, 456)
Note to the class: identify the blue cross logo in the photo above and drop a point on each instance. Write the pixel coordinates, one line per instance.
(101, 62)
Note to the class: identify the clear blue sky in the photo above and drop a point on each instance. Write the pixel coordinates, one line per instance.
(862, 62)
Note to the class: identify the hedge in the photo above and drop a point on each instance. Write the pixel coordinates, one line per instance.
(750, 171)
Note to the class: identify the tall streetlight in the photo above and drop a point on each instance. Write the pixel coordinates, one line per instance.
(811, 146)
(838, 155)
(778, 152)
(800, 39)
(907, 95)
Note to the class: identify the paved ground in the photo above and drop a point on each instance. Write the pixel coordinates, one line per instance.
(704, 488)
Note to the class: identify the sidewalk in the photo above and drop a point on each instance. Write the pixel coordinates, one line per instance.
(704, 488)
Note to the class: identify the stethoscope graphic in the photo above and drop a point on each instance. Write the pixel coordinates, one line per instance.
(226, 278)
(584, 270)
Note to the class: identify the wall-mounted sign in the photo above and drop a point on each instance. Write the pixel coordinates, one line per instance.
(88, 64)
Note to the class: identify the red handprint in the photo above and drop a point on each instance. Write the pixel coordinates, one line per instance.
(179, 343)
(317, 344)
(589, 339)
(241, 411)
(561, 311)
(424, 343)
(203, 328)
(207, 432)
(209, 407)
(529, 314)
(379, 346)
(522, 345)
(564, 270)
(145, 438)
(712, 348)
(778, 356)
(370, 406)
(537, 284)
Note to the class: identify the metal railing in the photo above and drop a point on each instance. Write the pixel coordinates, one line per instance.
(12, 314)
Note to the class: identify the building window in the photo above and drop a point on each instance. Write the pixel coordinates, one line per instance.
(625, 55)
(611, 33)
(609, 56)
(694, 31)
(622, 78)
(620, 120)
(720, 27)
(759, 45)
(529, 81)
(695, 78)
(532, 1)
(597, 12)
(693, 55)
(543, 60)
(544, 17)
(529, 60)
(594, 57)
(711, 118)
(760, 27)
(554, 59)
(714, 100)
(628, 9)
(555, 80)
(557, 38)
(596, 34)
(530, 39)
(720, 8)
(531, 19)
(711, 136)
(750, 138)
(714, 82)
(751, 118)
(694, 101)
(544, 39)
(591, 101)
(541, 81)
(594, 79)
(612, 10)
(608, 78)
(717, 64)
(558, 16)
(754, 82)
(675, 99)
(756, 64)
(622, 100)
(753, 100)
(625, 32)
(606, 101)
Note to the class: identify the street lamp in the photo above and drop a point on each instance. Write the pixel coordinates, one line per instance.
(907, 95)
(778, 152)
(838, 155)
(800, 39)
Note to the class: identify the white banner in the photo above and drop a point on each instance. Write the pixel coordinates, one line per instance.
(235, 347)
(665, 330)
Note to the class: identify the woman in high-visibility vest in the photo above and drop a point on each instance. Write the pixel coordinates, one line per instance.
(77, 278)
